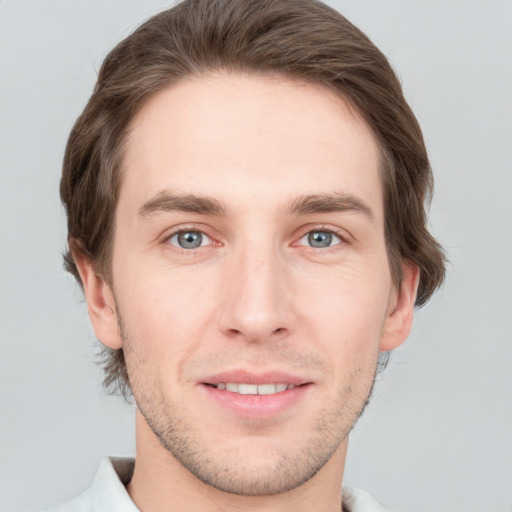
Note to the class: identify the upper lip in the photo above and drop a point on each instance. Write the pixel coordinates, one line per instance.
(245, 377)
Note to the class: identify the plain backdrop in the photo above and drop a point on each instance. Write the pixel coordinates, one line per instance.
(437, 436)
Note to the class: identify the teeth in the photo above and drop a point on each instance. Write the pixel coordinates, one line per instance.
(268, 389)
(254, 389)
(248, 389)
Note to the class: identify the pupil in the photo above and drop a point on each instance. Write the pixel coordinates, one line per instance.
(190, 239)
(320, 239)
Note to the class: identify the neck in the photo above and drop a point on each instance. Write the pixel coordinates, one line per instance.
(161, 483)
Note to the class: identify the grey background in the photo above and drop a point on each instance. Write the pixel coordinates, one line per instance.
(437, 436)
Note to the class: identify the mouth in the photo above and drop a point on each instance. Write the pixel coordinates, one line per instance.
(256, 396)
(253, 389)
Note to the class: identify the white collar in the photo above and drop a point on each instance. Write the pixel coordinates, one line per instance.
(108, 492)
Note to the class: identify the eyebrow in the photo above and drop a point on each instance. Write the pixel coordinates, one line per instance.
(329, 203)
(168, 202)
(302, 205)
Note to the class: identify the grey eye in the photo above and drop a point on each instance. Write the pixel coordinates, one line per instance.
(189, 239)
(320, 239)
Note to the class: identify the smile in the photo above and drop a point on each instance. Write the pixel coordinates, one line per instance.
(253, 389)
(257, 396)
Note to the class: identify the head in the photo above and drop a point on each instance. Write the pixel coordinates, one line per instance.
(291, 53)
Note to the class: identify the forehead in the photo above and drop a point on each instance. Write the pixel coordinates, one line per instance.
(247, 138)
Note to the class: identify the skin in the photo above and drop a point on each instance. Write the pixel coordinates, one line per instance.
(255, 296)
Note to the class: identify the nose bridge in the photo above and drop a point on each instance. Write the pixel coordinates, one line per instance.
(257, 304)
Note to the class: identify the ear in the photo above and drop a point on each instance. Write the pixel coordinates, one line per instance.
(401, 310)
(100, 303)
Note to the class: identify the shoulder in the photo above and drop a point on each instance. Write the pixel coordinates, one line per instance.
(357, 500)
(81, 503)
(107, 491)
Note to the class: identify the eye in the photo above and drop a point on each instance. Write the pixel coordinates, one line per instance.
(320, 239)
(189, 239)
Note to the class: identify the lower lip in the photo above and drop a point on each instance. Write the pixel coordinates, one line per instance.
(257, 406)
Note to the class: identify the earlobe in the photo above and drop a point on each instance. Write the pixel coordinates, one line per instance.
(399, 321)
(100, 303)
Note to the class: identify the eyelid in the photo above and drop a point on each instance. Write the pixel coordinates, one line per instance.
(342, 234)
(176, 230)
(334, 235)
(178, 233)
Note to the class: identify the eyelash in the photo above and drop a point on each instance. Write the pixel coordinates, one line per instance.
(341, 235)
(167, 240)
(331, 233)
(317, 229)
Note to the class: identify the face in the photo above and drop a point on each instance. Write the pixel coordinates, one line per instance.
(250, 277)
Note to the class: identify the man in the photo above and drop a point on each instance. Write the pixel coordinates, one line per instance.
(245, 193)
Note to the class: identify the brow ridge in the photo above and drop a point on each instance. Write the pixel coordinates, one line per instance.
(301, 205)
(329, 203)
(190, 203)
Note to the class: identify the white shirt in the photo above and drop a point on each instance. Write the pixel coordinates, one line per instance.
(108, 492)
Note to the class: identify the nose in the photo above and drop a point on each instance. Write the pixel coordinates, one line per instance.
(257, 304)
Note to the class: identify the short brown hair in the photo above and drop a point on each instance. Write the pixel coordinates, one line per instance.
(300, 39)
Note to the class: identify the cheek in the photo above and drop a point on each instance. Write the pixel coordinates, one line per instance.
(345, 314)
(166, 311)
(348, 300)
